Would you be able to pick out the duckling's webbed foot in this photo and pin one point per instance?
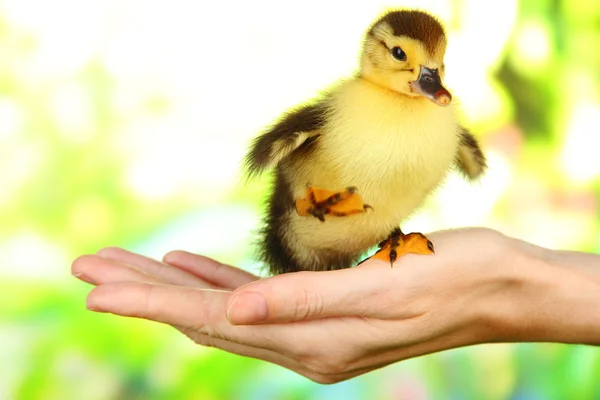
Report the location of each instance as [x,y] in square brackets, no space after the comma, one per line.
[398,244]
[322,202]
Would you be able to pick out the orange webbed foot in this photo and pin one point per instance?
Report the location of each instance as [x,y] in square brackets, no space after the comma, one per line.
[321,202]
[399,244]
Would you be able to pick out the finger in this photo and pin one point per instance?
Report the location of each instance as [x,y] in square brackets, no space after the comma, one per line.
[202,313]
[188,307]
[116,299]
[220,275]
[365,291]
[200,310]
[159,270]
[97,270]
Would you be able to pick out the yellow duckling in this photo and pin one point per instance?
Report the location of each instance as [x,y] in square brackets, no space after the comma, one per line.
[388,135]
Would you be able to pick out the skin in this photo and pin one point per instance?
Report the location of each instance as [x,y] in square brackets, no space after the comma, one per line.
[480,287]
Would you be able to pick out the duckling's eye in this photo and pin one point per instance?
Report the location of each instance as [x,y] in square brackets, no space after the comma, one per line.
[398,53]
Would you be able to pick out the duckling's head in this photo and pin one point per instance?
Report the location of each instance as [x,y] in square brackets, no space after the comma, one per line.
[404,51]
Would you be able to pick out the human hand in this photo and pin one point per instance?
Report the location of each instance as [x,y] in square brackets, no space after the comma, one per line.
[189,292]
[479,287]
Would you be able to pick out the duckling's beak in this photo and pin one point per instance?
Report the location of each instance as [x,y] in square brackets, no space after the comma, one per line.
[429,85]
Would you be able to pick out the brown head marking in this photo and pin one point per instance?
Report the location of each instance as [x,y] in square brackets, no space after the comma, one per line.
[416,25]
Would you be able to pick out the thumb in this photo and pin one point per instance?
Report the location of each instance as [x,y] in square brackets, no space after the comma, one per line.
[311,295]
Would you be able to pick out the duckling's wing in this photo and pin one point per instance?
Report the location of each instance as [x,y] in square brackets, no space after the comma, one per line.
[469,160]
[294,129]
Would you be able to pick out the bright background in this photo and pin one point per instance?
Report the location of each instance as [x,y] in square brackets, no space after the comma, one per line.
[123,123]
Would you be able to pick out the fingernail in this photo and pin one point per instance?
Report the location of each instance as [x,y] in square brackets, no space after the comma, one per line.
[104,250]
[91,307]
[247,308]
[83,277]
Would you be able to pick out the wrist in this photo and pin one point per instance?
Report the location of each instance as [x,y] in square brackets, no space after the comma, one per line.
[546,296]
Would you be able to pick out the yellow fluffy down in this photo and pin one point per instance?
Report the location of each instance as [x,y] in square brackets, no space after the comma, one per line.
[395,149]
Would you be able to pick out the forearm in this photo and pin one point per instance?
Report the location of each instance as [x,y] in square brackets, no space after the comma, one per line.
[555,297]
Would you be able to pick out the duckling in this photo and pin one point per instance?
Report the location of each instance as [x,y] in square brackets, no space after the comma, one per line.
[351,165]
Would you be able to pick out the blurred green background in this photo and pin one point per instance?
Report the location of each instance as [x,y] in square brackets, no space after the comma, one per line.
[123,123]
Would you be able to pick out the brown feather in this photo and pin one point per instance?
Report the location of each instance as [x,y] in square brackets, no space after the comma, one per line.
[284,137]
[470,160]
[415,25]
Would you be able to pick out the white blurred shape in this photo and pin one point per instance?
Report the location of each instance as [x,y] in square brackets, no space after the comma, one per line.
[11,120]
[484,29]
[28,254]
[468,204]
[167,155]
[475,41]
[459,203]
[16,346]
[580,151]
[532,46]
[68,32]
[70,104]
[216,231]
[441,8]
[18,164]
[86,377]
